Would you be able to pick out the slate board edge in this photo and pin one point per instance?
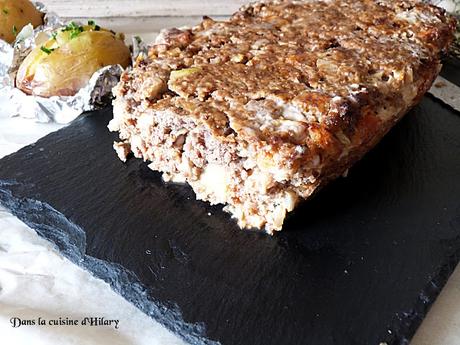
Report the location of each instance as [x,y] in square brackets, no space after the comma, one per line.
[410,322]
[70,239]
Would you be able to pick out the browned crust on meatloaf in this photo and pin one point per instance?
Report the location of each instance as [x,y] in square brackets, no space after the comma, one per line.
[290,93]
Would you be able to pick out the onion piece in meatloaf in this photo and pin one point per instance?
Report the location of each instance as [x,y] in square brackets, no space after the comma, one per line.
[260,111]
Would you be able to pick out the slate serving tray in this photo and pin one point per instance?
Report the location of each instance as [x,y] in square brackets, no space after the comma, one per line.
[359,264]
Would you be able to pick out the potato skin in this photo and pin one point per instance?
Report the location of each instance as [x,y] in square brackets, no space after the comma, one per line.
[14,15]
[65,64]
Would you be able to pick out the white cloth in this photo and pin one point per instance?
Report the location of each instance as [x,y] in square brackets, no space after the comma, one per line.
[36,281]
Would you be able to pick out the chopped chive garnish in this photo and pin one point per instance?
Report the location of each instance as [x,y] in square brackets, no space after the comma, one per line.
[94,25]
[46,50]
[74,29]
[5,11]
[15,30]
[138,39]
[74,34]
[71,26]
[54,35]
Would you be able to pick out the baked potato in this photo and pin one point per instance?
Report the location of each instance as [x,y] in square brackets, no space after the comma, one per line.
[14,15]
[65,63]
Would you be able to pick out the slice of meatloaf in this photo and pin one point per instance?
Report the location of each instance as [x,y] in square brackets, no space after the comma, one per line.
[259,111]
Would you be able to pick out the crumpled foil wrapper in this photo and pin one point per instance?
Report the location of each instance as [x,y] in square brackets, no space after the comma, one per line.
[96,94]
[140,49]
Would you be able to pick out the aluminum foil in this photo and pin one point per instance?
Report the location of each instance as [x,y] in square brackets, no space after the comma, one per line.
[140,49]
[96,94]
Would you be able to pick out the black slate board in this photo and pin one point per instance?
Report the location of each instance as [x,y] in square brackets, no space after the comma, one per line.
[359,264]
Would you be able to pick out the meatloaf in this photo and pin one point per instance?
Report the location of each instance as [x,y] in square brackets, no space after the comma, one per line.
[260,111]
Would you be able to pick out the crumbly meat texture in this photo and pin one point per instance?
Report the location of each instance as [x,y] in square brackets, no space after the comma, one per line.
[260,111]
